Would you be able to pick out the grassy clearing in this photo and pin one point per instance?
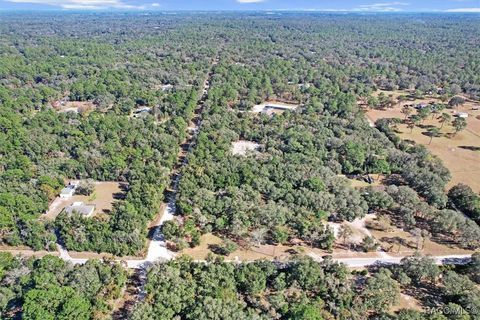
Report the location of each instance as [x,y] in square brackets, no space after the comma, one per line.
[269,252]
[398,242]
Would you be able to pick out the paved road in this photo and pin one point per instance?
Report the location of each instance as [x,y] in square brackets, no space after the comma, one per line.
[350,262]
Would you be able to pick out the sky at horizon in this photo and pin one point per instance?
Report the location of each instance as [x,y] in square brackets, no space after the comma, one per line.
[304,5]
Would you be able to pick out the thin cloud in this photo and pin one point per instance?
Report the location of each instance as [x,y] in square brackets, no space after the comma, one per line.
[469,10]
[82,4]
[249,1]
[382,6]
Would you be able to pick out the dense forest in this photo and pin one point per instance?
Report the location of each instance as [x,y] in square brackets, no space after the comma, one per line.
[307,290]
[72,85]
[115,63]
[49,288]
[295,183]
[42,148]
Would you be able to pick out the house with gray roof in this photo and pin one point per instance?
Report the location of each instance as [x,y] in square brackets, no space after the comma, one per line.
[85,210]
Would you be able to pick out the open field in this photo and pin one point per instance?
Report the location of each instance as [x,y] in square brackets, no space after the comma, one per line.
[105,194]
[270,252]
[350,247]
[94,255]
[394,243]
[460,153]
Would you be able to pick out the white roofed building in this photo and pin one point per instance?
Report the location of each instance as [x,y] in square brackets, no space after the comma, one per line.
[79,207]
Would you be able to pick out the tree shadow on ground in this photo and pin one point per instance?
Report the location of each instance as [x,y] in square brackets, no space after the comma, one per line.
[354,247]
[151,232]
[471,148]
[432,134]
[426,126]
[398,241]
[426,293]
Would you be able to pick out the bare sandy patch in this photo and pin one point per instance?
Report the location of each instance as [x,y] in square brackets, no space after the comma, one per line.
[163,86]
[273,107]
[407,302]
[358,228]
[243,147]
[73,106]
[346,254]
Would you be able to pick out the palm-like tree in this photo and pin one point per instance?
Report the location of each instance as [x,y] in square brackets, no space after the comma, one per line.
[417,233]
[435,111]
[433,132]
[459,124]
[425,235]
[406,111]
[415,121]
[424,113]
[444,118]
[258,236]
[411,126]
[345,233]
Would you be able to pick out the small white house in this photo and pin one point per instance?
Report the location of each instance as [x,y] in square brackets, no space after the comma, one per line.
[167,87]
[67,192]
[141,111]
[461,115]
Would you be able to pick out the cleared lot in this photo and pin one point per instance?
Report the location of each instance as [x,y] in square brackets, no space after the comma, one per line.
[73,106]
[273,107]
[105,194]
[242,147]
[398,243]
